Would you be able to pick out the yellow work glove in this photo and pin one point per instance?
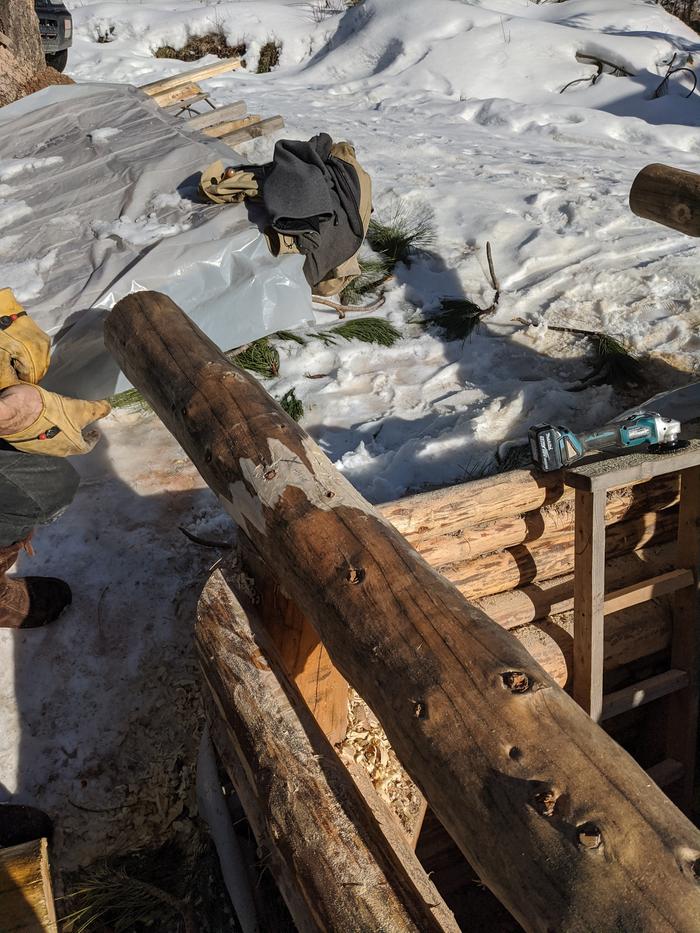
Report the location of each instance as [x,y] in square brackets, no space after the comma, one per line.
[24,347]
[224,185]
[59,431]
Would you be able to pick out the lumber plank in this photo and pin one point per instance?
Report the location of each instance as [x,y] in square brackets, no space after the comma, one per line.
[556,818]
[631,468]
[177,94]
[223,129]
[26,898]
[589,596]
[200,73]
[668,196]
[642,592]
[302,653]
[261,128]
[182,105]
[331,857]
[229,111]
[682,717]
[646,691]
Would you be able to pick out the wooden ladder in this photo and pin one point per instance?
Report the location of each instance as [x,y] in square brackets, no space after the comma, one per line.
[678,685]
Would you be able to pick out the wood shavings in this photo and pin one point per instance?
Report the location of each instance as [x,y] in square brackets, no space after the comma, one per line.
[366,745]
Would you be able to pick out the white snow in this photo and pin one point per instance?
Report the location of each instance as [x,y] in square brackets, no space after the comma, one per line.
[454,105]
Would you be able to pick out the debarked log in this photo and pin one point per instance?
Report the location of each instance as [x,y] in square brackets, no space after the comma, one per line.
[553,556]
[472,541]
[668,196]
[562,825]
[324,845]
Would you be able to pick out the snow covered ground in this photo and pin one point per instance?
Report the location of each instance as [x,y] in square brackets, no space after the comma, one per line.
[457,106]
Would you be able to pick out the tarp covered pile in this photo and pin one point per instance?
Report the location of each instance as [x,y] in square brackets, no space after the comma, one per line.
[95,182]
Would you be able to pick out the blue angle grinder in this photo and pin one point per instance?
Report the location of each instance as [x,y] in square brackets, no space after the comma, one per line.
[554,447]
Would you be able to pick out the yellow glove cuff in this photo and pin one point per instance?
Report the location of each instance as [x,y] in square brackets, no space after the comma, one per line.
[59,429]
[24,347]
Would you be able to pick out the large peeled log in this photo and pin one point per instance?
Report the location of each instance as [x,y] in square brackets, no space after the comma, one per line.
[562,825]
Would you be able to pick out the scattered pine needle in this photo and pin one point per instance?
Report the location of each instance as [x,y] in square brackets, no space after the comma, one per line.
[460,317]
[292,405]
[374,273]
[111,896]
[259,357]
[615,363]
[290,335]
[368,330]
[406,230]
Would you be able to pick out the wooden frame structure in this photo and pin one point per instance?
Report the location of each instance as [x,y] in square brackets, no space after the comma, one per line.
[679,683]
[563,826]
[180,94]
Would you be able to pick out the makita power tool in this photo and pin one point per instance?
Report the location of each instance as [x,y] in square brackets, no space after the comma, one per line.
[554,447]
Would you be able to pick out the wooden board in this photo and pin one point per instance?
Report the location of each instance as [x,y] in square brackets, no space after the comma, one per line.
[631,468]
[26,898]
[682,707]
[177,94]
[303,655]
[262,128]
[236,109]
[589,597]
[193,74]
[223,129]
[181,105]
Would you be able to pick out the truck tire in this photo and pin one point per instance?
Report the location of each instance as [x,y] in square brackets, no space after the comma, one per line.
[57,60]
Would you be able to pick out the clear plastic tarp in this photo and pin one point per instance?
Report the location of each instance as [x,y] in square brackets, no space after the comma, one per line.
[97,200]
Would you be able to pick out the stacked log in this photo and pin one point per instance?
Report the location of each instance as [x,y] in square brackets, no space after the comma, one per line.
[508,543]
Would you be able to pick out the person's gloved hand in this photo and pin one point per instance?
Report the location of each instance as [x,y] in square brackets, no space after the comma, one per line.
[40,422]
[24,347]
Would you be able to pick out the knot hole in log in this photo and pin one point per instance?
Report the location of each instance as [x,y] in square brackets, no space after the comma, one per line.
[589,836]
[517,681]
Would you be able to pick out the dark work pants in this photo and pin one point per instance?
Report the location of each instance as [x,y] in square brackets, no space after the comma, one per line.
[33,490]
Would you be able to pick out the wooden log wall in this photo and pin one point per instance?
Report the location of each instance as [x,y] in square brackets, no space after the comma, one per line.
[562,825]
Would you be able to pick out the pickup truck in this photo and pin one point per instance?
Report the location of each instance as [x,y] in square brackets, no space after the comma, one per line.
[56,28]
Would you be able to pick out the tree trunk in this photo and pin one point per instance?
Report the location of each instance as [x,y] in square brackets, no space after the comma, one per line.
[668,196]
[334,866]
[23,68]
[562,825]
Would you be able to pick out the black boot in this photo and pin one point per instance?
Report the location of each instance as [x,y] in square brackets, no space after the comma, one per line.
[20,823]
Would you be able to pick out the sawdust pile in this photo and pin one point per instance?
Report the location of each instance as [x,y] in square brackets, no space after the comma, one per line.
[366,745]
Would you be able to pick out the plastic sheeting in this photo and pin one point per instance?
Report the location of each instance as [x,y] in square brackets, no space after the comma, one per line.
[95,188]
